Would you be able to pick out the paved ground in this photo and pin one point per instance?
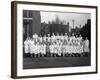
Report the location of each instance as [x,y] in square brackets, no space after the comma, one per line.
[50,62]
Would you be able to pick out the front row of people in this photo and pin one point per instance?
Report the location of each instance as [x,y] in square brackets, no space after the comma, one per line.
[58,47]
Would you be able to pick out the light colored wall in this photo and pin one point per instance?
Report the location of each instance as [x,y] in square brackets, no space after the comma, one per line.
[5,40]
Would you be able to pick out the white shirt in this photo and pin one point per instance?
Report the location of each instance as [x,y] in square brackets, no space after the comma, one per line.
[32,43]
[26,46]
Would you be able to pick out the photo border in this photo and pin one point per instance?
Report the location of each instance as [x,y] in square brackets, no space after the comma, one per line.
[14,37]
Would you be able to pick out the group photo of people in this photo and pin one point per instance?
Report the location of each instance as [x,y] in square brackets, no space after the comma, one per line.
[56,45]
[56,39]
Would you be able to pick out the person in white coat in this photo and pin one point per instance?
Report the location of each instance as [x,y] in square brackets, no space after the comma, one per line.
[53,38]
[51,47]
[32,45]
[26,47]
[86,45]
[44,49]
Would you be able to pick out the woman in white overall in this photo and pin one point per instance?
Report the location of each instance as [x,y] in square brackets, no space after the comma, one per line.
[86,45]
[32,47]
[26,47]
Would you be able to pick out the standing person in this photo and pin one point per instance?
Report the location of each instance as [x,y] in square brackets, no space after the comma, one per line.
[86,45]
[71,43]
[32,47]
[53,37]
[65,36]
[35,49]
[66,39]
[80,44]
[68,48]
[48,44]
[35,36]
[64,49]
[77,46]
[40,45]
[72,38]
[44,49]
[55,49]
[26,47]
[62,37]
[40,50]
[62,46]
[40,39]
[51,49]
[29,41]
[48,38]
[59,47]
[65,44]
[44,38]
[80,37]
